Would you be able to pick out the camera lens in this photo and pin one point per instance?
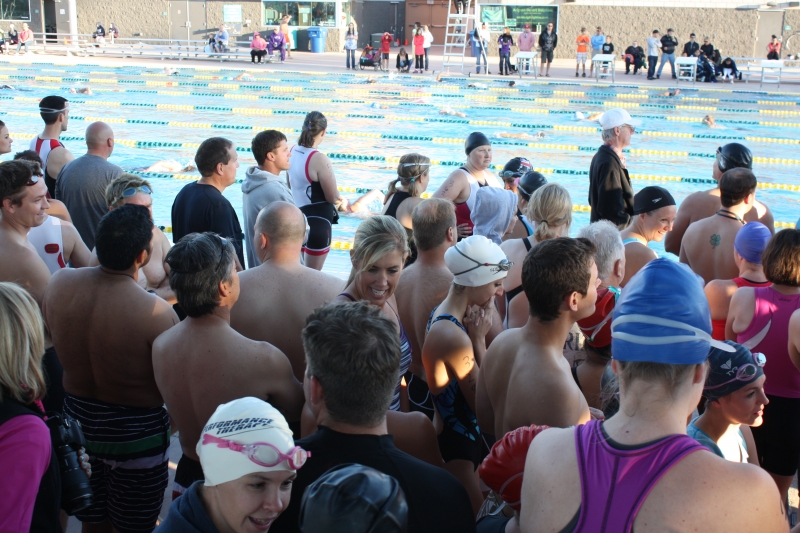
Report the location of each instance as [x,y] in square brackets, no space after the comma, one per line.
[76,491]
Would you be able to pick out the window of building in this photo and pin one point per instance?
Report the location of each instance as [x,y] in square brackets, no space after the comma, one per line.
[301,13]
[15,10]
[498,17]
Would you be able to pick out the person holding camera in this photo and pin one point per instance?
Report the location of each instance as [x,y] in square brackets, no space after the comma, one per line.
[30,494]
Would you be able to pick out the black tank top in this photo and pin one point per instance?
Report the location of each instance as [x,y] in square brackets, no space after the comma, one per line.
[510,295]
[397,199]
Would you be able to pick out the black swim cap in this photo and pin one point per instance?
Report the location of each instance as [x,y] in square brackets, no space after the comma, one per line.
[474,140]
[529,182]
[353,498]
[734,155]
[515,168]
[650,199]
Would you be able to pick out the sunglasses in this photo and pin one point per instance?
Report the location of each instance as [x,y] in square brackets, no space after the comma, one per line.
[503,266]
[34,180]
[262,453]
[745,372]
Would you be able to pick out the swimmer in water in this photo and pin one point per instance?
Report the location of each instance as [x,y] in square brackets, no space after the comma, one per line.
[593,117]
[362,204]
[478,85]
[244,76]
[527,136]
[376,105]
[439,77]
[671,92]
[447,110]
[512,83]
[170,71]
[709,121]
[81,90]
[169,166]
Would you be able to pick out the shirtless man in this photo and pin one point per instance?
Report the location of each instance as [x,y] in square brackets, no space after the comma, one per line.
[654,213]
[423,285]
[524,377]
[55,113]
[705,204]
[278,295]
[57,207]
[202,363]
[707,246]
[154,276]
[103,325]
[23,197]
[461,186]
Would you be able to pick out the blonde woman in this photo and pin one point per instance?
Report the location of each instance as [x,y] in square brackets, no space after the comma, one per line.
[28,462]
[550,209]
[405,193]
[380,249]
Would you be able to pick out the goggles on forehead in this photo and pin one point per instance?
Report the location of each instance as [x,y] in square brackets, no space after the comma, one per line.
[744,372]
[503,266]
[262,453]
[131,191]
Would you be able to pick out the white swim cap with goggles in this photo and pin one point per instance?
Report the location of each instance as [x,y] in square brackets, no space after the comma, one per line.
[476,261]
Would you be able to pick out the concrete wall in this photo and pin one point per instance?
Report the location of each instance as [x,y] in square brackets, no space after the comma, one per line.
[131,17]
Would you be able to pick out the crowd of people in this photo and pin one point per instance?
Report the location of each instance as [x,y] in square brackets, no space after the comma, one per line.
[479,370]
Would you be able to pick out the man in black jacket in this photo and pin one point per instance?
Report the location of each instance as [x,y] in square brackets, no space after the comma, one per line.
[636,54]
[668,44]
[610,191]
[691,48]
[548,40]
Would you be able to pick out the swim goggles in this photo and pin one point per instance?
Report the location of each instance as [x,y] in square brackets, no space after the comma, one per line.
[262,453]
[131,191]
[503,266]
[744,372]
[34,180]
[51,110]
[524,166]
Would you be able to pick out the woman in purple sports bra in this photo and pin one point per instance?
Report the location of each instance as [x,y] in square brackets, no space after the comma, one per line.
[758,318]
[639,471]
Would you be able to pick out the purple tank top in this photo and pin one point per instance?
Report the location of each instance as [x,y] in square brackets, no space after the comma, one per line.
[768,333]
[615,483]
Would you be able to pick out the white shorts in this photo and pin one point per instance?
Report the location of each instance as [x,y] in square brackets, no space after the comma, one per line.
[581,57]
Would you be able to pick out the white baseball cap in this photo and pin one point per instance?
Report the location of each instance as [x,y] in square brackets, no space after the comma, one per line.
[614,118]
[243,437]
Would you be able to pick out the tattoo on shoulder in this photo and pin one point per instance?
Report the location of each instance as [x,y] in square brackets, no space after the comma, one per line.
[715,240]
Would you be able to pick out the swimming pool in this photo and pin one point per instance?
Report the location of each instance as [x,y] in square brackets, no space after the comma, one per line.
[157,116]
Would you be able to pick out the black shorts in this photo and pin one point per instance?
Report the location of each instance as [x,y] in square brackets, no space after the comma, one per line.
[385,55]
[547,56]
[453,445]
[778,438]
[320,217]
[187,472]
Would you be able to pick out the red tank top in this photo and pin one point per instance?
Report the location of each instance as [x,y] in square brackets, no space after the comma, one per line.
[718,331]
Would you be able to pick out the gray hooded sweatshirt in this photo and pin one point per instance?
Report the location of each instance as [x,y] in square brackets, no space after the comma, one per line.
[260,189]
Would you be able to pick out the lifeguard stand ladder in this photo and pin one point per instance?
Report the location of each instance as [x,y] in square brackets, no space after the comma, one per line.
[456,37]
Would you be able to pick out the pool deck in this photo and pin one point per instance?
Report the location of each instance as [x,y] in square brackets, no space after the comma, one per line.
[562,70]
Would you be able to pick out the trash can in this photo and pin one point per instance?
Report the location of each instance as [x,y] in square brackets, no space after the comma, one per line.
[302,42]
[317,36]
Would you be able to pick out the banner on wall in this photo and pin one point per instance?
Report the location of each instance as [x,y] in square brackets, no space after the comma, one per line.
[515,17]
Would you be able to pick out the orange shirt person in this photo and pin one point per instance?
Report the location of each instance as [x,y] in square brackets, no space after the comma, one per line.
[583,47]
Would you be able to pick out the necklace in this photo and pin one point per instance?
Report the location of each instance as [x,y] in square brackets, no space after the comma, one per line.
[731,215]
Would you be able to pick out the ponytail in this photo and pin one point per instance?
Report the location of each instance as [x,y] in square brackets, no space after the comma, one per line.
[314,124]
[550,206]
[409,171]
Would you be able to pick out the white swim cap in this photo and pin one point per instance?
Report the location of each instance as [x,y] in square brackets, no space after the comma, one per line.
[476,261]
[245,436]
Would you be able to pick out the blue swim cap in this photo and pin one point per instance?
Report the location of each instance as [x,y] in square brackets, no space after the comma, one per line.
[751,241]
[663,317]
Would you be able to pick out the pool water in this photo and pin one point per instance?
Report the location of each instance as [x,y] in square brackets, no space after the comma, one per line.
[371,125]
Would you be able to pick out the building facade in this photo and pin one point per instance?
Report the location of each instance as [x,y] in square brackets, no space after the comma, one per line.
[737,28]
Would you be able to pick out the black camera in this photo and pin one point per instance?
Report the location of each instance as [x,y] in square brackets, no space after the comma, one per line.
[67,437]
